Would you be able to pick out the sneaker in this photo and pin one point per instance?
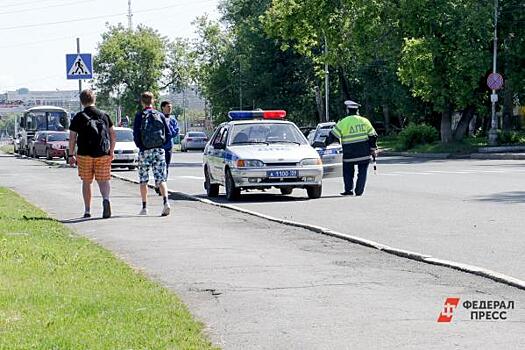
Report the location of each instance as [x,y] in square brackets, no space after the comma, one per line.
[143,211]
[166,209]
[86,215]
[106,211]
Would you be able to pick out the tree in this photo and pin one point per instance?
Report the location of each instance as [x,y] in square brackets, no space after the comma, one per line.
[442,58]
[240,67]
[129,63]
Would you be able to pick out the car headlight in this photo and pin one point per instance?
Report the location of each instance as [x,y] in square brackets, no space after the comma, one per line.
[311,161]
[250,163]
[55,146]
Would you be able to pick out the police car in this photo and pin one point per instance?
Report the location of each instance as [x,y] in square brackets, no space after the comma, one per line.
[260,150]
[332,155]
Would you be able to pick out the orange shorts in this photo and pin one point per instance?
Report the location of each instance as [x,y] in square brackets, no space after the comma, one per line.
[98,168]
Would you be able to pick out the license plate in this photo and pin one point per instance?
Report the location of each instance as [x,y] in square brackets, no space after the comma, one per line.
[282,173]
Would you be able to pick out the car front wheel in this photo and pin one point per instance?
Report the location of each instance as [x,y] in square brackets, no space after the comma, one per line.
[286,190]
[232,192]
[314,192]
[212,190]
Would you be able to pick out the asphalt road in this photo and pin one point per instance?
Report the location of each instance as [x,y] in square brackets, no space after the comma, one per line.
[261,285]
[468,211]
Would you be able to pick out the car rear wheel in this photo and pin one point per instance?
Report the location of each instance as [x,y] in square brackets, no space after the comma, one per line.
[232,192]
[314,192]
[286,190]
[212,190]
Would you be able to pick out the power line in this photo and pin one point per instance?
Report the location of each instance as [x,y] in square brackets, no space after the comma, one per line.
[45,7]
[97,17]
[40,42]
[18,3]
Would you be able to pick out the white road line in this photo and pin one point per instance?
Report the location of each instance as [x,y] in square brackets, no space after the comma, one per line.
[200,178]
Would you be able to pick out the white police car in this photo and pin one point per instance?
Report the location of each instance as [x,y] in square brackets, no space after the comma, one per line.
[331,155]
[260,150]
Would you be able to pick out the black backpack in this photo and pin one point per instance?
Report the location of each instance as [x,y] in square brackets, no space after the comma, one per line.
[97,135]
[152,129]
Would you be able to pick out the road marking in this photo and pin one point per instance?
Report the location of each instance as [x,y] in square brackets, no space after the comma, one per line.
[200,178]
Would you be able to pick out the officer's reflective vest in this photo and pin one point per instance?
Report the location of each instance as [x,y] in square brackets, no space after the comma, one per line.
[357,136]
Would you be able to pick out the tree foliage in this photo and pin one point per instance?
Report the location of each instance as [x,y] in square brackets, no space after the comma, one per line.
[129,63]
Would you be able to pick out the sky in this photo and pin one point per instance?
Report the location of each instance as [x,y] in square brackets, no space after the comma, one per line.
[33,45]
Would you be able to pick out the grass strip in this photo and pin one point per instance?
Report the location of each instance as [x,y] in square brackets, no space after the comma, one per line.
[61,291]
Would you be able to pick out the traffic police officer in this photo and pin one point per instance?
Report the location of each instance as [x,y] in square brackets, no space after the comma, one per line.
[359,141]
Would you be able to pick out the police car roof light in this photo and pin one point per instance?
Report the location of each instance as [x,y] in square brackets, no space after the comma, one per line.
[249,115]
[274,114]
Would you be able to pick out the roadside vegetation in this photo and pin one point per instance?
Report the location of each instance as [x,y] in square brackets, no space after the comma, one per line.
[431,70]
[60,291]
[7,149]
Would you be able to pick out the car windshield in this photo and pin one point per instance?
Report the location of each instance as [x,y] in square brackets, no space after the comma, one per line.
[124,135]
[40,120]
[59,136]
[196,134]
[266,133]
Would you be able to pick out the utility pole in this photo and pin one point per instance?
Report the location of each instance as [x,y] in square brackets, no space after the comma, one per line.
[326,81]
[240,86]
[493,132]
[130,17]
[79,80]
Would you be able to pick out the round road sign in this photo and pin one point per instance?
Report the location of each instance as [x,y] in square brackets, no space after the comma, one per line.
[495,81]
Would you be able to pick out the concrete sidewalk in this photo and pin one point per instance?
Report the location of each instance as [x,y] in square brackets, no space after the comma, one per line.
[261,285]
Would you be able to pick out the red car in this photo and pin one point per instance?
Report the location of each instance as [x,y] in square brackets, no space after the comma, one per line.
[49,144]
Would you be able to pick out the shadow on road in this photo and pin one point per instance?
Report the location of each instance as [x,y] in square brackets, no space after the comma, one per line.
[186,165]
[93,218]
[256,198]
[516,197]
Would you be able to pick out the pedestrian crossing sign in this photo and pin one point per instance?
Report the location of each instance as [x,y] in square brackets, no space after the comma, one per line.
[79,66]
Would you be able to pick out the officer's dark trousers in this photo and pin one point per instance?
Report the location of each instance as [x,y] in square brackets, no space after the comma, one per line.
[348,176]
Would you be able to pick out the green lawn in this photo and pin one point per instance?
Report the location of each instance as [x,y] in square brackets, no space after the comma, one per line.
[7,149]
[60,291]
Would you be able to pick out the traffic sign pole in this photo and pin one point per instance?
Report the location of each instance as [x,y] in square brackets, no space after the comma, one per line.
[79,80]
[493,132]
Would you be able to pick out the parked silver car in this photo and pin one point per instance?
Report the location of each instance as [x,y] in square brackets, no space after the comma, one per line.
[193,140]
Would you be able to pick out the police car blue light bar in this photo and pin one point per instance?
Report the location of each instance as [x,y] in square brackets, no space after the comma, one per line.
[249,115]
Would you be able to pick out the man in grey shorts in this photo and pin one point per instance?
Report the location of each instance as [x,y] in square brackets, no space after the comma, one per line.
[150,131]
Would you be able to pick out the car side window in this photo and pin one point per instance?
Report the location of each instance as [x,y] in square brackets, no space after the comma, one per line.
[216,140]
[224,137]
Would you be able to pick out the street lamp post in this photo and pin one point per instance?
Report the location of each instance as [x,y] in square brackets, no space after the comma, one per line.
[493,132]
[326,82]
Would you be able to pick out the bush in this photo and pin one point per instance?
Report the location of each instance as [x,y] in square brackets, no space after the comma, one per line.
[510,138]
[414,135]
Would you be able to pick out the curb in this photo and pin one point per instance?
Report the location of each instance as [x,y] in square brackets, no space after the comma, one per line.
[415,155]
[428,259]
[496,156]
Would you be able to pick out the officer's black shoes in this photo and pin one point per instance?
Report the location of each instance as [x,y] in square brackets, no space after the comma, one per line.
[349,193]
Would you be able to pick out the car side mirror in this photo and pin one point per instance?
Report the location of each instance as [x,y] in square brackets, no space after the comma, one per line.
[319,144]
[219,146]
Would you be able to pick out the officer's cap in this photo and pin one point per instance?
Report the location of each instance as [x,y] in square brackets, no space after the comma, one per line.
[351,104]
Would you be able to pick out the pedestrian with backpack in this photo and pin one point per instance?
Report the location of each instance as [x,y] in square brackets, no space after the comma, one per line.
[150,132]
[92,132]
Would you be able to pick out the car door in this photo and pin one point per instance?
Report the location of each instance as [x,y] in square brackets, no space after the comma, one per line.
[40,144]
[215,152]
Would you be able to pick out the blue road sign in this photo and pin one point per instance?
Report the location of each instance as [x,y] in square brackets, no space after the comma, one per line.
[79,66]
